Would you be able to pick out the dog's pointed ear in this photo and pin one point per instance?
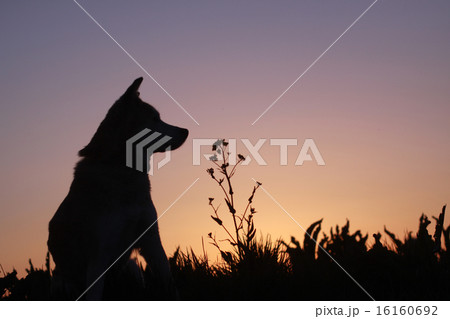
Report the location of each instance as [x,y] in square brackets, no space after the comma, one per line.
[134,87]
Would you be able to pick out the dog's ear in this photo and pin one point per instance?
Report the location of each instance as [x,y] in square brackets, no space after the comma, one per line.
[134,87]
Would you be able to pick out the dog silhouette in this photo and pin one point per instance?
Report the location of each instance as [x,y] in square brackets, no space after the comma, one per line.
[109,205]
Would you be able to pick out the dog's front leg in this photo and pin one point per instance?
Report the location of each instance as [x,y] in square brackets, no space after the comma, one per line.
[153,252]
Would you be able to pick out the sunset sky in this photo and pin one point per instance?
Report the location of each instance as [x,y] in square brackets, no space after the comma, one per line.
[377,105]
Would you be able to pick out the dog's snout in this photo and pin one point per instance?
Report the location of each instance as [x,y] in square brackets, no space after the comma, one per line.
[183,135]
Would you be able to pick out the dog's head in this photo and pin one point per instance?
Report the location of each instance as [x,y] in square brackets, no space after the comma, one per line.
[129,118]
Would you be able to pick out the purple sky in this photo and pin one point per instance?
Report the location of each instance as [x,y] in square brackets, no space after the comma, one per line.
[377,104]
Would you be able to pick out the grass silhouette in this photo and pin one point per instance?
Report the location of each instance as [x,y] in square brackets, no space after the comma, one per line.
[408,269]
[252,268]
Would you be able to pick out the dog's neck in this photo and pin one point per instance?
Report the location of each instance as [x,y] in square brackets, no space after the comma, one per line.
[113,170]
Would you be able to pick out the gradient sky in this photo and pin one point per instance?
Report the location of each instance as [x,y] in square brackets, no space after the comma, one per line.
[377,104]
